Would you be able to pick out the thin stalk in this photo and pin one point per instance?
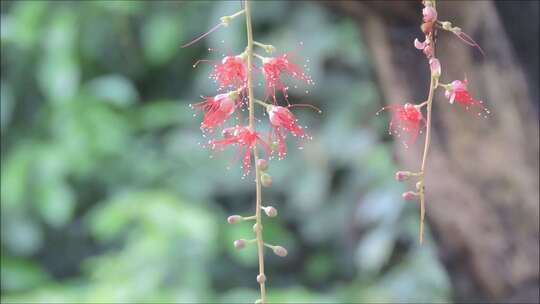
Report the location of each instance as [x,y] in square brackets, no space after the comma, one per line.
[258,56]
[429,101]
[262,45]
[424,159]
[258,231]
[262,103]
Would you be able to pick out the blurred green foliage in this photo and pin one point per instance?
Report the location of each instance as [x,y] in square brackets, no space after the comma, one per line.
[107,195]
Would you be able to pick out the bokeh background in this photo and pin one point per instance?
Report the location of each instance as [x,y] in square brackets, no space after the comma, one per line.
[108,196]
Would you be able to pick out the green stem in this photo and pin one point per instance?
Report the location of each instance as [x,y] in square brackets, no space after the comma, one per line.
[258,231]
[429,102]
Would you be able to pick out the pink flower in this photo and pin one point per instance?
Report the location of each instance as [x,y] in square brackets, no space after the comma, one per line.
[425,46]
[281,118]
[406,120]
[419,45]
[274,67]
[217,109]
[430,14]
[231,72]
[457,91]
[245,138]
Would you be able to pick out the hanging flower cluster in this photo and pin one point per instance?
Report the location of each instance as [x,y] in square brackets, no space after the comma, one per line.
[408,120]
[233,75]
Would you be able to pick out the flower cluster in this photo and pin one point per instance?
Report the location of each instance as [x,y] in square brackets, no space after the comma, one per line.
[407,120]
[233,75]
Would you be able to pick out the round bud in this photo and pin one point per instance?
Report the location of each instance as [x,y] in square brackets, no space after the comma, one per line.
[255,227]
[270,211]
[427,27]
[262,164]
[435,67]
[274,146]
[266,180]
[402,175]
[280,251]
[259,301]
[418,185]
[409,195]
[430,14]
[261,278]
[239,244]
[234,219]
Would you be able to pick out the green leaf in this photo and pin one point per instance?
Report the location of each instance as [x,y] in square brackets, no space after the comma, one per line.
[7,104]
[59,72]
[19,274]
[161,38]
[115,89]
[374,250]
[15,171]
[55,203]
[28,22]
[161,114]
[21,234]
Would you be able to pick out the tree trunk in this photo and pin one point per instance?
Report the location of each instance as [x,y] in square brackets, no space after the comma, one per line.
[482,174]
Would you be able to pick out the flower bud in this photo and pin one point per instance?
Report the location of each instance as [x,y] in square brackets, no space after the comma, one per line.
[239,244]
[427,27]
[435,67]
[270,211]
[259,301]
[234,219]
[429,13]
[402,175]
[256,227]
[269,48]
[409,195]
[262,164]
[418,185]
[225,20]
[419,45]
[261,278]
[428,51]
[266,180]
[280,251]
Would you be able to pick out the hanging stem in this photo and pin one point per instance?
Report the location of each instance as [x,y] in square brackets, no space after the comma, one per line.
[429,101]
[424,159]
[258,230]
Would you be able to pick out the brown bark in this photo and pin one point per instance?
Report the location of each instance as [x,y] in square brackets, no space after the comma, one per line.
[482,176]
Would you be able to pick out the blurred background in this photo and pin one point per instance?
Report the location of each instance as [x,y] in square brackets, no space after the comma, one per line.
[108,196]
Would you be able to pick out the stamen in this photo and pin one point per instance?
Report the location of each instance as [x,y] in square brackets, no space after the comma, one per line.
[201,36]
[468,40]
[199,61]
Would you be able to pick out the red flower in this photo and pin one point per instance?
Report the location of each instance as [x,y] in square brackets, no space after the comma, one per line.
[217,109]
[281,118]
[231,72]
[406,119]
[457,91]
[245,138]
[272,70]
